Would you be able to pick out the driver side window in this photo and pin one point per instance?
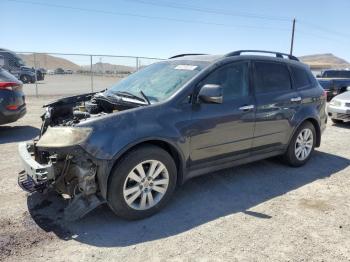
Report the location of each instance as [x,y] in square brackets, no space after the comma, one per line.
[233,78]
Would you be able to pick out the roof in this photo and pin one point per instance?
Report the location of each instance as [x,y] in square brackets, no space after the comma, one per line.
[214,58]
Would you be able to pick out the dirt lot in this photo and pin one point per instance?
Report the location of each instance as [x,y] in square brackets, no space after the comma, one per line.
[263,211]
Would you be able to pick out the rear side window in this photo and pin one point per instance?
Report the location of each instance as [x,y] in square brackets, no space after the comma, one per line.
[271,77]
[301,77]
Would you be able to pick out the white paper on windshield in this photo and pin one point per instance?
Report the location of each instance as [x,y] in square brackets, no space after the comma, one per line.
[186,67]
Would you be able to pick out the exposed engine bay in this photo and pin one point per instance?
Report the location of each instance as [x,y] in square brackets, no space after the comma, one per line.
[72,110]
[55,160]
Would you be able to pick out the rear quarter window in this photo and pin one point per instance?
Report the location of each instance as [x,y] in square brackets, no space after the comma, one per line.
[271,77]
[301,78]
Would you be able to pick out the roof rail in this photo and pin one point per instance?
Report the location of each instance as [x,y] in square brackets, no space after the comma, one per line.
[182,55]
[278,54]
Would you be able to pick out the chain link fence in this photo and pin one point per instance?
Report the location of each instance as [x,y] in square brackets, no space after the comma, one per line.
[58,74]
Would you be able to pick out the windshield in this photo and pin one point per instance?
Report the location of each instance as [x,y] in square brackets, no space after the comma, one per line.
[159,81]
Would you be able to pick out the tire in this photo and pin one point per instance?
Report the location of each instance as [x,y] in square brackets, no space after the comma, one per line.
[296,158]
[337,121]
[120,183]
[25,79]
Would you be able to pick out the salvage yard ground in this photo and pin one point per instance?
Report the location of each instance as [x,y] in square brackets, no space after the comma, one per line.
[263,211]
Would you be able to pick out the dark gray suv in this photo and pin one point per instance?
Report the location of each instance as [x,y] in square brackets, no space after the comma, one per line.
[132,144]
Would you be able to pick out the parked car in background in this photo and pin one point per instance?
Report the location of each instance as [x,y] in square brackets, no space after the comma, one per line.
[68,72]
[334,81]
[12,99]
[334,87]
[339,108]
[50,72]
[335,73]
[134,143]
[16,66]
[59,71]
[43,70]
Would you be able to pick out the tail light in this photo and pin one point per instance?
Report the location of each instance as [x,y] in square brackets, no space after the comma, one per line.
[12,86]
[324,94]
[12,107]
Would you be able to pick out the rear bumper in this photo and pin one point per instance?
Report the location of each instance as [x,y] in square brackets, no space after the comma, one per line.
[9,116]
[35,176]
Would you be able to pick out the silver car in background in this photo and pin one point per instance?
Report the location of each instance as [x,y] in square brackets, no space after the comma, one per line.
[339,108]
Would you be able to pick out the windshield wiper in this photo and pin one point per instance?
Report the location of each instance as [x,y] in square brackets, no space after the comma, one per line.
[145,97]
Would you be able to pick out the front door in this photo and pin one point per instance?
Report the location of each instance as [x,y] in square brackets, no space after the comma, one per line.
[224,131]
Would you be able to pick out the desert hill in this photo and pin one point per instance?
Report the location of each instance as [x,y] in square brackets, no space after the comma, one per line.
[324,61]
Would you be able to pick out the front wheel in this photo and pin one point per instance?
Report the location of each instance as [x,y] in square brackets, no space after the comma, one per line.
[301,145]
[142,182]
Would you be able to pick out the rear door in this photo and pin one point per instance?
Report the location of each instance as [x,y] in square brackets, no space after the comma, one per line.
[276,104]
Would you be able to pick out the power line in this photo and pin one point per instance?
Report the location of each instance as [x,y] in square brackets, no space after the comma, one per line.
[239,14]
[305,33]
[146,16]
[324,29]
[210,10]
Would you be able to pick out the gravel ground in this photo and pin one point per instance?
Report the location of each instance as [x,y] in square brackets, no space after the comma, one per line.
[263,211]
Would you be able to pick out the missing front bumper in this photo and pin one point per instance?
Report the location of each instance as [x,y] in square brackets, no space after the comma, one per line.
[35,176]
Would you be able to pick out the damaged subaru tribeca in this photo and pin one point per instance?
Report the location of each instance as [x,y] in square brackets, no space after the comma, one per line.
[131,145]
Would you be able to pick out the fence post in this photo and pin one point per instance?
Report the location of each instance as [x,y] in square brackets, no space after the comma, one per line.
[36,79]
[92,75]
[137,64]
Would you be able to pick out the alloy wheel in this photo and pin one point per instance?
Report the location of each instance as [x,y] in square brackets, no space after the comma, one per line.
[304,144]
[146,185]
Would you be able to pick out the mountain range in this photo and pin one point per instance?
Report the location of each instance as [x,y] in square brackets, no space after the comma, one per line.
[317,61]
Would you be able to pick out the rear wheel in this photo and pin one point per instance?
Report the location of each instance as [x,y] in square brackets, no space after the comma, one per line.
[301,145]
[142,182]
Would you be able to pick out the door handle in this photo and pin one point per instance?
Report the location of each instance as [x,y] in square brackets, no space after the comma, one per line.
[246,108]
[295,99]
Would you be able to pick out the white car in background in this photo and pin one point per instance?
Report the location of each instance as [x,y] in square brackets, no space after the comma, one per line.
[339,108]
[50,72]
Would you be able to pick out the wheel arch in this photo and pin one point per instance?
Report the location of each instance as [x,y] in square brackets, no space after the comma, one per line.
[173,151]
[316,125]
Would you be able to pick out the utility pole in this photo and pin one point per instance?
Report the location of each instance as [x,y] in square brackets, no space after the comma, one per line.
[292,40]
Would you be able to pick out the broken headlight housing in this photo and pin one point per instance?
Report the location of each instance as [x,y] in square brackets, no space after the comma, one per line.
[56,137]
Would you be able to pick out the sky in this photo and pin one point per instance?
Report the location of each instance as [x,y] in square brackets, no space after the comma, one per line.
[162,28]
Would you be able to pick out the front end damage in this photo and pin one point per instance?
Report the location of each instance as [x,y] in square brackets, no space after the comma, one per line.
[68,171]
[56,160]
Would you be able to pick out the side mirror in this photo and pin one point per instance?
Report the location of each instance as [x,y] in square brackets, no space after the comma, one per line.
[2,61]
[211,94]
